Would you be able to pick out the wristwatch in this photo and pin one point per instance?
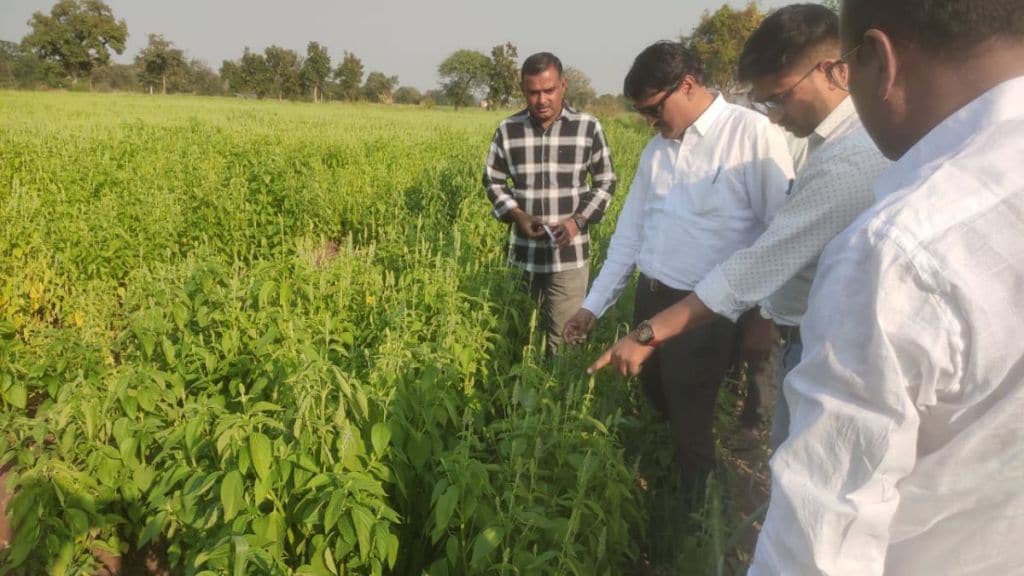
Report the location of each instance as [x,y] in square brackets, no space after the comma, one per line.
[644,334]
[580,221]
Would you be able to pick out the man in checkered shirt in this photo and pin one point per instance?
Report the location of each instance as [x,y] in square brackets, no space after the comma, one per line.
[536,177]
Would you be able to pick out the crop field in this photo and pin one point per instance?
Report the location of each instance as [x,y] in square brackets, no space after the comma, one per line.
[278,338]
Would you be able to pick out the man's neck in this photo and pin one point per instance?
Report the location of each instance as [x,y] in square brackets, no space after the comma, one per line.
[945,86]
[549,123]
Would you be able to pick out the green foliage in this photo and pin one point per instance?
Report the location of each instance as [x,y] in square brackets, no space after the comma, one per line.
[315,70]
[349,77]
[158,62]
[719,38]
[379,88]
[503,76]
[579,91]
[78,35]
[276,339]
[464,76]
[283,72]
[408,95]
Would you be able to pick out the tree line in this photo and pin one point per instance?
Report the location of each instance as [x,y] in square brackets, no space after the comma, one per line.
[71,47]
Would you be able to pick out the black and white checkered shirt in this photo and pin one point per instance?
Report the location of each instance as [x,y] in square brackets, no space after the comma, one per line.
[544,173]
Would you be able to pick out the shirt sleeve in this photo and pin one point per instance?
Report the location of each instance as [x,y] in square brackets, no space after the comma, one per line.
[770,173]
[827,195]
[880,341]
[602,176]
[496,177]
[624,246]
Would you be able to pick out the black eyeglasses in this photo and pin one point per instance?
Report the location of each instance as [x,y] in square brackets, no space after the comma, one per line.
[654,110]
[773,104]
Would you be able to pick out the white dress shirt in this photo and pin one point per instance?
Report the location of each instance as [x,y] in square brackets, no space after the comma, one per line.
[694,202]
[833,188]
[906,448]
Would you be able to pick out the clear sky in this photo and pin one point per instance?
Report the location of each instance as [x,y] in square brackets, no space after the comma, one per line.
[407,38]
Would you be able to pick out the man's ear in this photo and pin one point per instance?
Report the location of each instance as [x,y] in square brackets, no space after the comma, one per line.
[878,50]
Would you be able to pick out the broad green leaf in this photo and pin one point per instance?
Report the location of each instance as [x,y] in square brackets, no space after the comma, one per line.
[334,509]
[260,447]
[17,396]
[444,509]
[484,544]
[363,521]
[231,494]
[380,436]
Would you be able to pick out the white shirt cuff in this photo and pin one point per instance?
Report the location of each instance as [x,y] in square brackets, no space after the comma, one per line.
[714,291]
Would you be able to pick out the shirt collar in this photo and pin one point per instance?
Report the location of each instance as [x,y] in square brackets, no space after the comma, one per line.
[999,104]
[566,114]
[707,118]
[835,118]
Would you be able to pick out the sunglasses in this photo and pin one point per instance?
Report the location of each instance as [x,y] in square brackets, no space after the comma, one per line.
[654,110]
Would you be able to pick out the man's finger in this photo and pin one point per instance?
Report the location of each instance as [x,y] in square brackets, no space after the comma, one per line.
[601,362]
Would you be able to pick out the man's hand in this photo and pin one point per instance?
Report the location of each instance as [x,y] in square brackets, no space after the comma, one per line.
[627,355]
[758,338]
[529,226]
[564,232]
[577,328]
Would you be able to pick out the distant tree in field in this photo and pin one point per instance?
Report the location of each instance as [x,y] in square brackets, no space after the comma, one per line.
[719,39]
[408,95]
[200,79]
[464,76]
[315,70]
[349,76]
[609,104]
[283,68]
[158,62]
[579,91]
[503,76]
[833,4]
[379,88]
[78,35]
[250,75]
[115,78]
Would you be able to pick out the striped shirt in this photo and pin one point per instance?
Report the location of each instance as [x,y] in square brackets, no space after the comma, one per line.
[545,174]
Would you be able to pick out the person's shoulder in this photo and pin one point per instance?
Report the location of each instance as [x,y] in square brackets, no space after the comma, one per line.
[518,118]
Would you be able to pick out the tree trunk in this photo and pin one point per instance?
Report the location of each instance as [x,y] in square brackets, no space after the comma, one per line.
[163,84]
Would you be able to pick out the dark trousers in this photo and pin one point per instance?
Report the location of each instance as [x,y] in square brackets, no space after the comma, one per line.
[682,379]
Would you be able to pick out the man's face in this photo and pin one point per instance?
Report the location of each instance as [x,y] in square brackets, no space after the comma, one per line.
[793,99]
[544,93]
[669,110]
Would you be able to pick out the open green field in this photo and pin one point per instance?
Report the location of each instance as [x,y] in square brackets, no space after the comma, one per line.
[186,369]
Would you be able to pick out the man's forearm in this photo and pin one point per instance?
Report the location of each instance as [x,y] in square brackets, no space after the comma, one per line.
[687,314]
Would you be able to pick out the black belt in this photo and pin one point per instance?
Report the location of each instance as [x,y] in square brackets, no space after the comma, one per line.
[655,285]
[791,334]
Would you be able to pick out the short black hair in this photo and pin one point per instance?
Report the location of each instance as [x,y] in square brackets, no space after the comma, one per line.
[659,67]
[941,27]
[538,63]
[785,38]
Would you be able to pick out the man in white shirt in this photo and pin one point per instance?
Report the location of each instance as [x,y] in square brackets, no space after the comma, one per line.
[791,63]
[706,186]
[906,447]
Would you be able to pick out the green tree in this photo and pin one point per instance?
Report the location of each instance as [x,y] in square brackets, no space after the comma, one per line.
[408,95]
[158,62]
[78,35]
[200,79]
[719,38]
[464,75]
[250,75]
[349,76]
[503,76]
[379,88]
[283,71]
[315,70]
[833,4]
[579,91]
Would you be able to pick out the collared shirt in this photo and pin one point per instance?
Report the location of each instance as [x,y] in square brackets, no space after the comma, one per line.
[696,201]
[544,173]
[832,189]
[906,446]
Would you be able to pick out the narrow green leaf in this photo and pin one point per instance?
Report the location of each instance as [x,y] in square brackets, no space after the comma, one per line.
[484,544]
[363,521]
[380,436]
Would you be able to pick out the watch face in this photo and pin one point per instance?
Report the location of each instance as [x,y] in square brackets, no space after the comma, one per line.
[644,333]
